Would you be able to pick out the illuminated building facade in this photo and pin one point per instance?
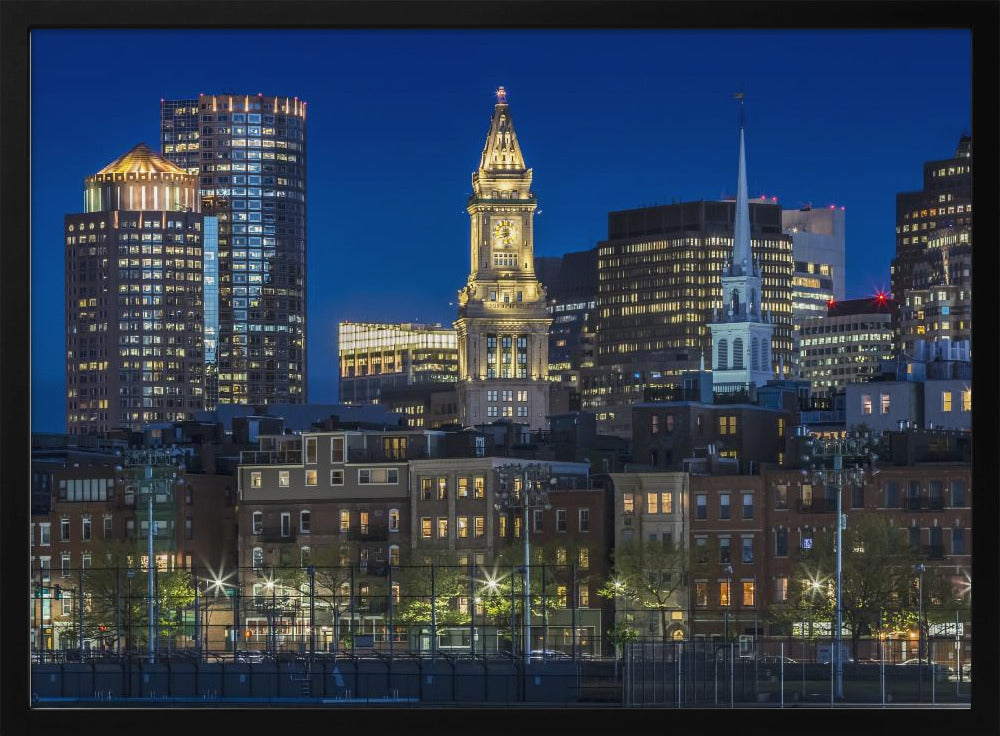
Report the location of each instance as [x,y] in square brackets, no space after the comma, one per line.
[846,346]
[377,357]
[248,152]
[818,248]
[931,225]
[938,305]
[503,323]
[134,310]
[571,286]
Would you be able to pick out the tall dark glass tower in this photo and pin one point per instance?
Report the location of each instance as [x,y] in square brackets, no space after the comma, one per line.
[249,154]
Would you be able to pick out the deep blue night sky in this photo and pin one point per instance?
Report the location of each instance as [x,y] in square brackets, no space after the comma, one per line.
[397,120]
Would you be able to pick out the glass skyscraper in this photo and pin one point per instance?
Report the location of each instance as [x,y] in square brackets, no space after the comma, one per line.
[248,152]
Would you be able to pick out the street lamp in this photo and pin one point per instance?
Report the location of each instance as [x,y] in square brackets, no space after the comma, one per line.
[825,458]
[920,569]
[150,472]
[728,571]
[523,487]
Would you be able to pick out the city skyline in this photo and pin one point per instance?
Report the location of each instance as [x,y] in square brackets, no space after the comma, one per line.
[590,155]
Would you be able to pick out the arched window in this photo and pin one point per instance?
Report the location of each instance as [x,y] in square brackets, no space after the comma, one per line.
[753,301]
[393,520]
[722,360]
[736,302]
[755,355]
[738,353]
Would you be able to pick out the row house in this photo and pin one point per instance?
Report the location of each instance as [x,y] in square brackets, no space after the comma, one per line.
[728,518]
[336,500]
[453,508]
[665,434]
[651,509]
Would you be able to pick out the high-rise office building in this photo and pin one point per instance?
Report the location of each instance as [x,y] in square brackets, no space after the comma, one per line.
[818,247]
[931,225]
[938,304]
[249,154]
[571,289]
[134,310]
[847,345]
[658,286]
[502,323]
[377,357]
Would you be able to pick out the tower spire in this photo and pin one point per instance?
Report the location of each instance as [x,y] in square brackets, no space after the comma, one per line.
[502,153]
[741,264]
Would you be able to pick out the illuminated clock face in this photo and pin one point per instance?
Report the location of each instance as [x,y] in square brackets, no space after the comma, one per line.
[504,232]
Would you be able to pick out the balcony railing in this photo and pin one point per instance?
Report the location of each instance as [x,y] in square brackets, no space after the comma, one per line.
[923,504]
[270,457]
[380,455]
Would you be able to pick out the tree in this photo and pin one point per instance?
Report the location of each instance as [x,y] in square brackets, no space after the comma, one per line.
[648,575]
[416,597]
[108,602]
[877,591]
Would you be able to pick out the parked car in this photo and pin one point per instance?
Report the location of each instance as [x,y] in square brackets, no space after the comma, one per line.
[253,656]
[775,659]
[548,654]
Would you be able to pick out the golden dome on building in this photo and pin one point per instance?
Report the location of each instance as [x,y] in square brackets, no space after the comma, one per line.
[141,160]
[141,180]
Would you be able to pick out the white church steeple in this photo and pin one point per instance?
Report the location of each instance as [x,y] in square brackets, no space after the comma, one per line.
[741,334]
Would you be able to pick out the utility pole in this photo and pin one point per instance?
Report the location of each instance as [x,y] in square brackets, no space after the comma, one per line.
[149,471]
[825,459]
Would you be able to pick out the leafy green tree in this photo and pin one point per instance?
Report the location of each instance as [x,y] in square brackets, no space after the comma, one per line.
[450,583]
[107,602]
[877,579]
[649,576]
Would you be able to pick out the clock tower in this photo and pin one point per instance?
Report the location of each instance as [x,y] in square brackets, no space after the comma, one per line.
[503,323]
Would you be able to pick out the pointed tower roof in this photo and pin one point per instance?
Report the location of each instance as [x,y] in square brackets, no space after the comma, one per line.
[141,160]
[502,153]
[742,263]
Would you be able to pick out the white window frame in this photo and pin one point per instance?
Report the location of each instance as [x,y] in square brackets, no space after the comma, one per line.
[305,515]
[256,522]
[315,477]
[45,534]
[394,520]
[583,520]
[284,478]
[315,451]
[561,520]
[343,448]
[337,477]
[286,524]
[256,479]
[86,529]
[64,526]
